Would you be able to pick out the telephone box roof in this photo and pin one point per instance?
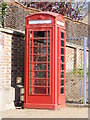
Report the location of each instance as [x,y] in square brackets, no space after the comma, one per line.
[47,13]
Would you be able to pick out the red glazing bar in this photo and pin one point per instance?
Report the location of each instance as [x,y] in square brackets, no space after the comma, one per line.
[26,66]
[32,65]
[62,39]
[38,86]
[47,63]
[39,62]
[39,38]
[61,54]
[62,78]
[60,60]
[62,46]
[40,54]
[29,59]
[64,59]
[40,70]
[40,78]
[50,44]
[43,46]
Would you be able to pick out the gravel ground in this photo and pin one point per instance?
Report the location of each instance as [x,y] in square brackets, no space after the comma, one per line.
[67,112]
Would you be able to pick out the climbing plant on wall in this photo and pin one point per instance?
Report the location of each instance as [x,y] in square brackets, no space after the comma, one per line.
[3,7]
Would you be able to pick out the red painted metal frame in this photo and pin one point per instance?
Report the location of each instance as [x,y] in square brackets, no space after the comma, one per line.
[62,96]
[54,99]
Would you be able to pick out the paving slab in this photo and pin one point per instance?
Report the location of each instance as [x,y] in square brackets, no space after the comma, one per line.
[67,112]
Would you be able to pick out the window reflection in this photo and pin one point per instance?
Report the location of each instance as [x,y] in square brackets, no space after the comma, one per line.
[62,35]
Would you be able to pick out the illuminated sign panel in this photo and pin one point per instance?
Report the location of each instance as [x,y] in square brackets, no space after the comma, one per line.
[40,22]
[60,23]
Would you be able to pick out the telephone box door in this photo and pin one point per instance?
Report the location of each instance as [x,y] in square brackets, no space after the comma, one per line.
[61,88]
[40,84]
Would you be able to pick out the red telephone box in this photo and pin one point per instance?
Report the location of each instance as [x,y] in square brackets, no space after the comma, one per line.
[45,42]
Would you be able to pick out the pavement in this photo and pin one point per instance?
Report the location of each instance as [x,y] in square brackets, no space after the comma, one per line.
[67,112]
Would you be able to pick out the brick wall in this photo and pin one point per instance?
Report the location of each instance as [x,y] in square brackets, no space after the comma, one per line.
[70,58]
[75,29]
[17,56]
[11,64]
[6,92]
[5,56]
[12,57]
[73,57]
[15,15]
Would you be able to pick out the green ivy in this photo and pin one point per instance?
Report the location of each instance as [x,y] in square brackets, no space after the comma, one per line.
[3,7]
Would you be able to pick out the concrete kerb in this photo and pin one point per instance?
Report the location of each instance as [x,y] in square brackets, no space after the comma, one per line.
[77,105]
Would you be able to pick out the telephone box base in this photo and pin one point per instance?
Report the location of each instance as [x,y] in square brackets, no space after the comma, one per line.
[40,106]
[43,106]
